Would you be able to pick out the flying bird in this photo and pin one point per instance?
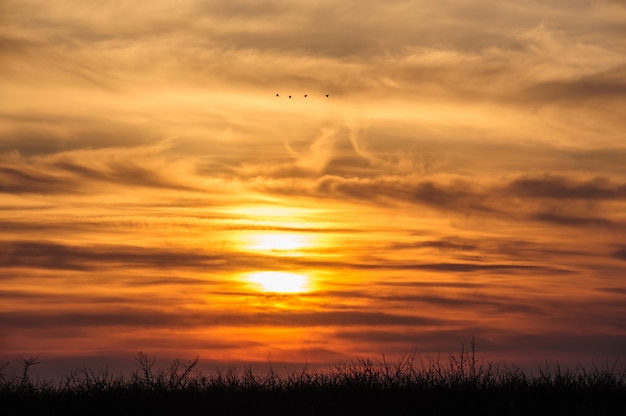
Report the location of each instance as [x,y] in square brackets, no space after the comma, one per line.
[305,95]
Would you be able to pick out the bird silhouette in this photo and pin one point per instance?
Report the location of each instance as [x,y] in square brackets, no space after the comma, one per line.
[305,95]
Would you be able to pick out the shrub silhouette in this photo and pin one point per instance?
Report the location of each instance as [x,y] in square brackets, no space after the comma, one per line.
[462,384]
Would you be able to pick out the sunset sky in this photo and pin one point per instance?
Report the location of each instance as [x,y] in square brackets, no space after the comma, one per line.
[465,177]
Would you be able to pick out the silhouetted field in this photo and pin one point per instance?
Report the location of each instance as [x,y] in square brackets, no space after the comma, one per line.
[411,386]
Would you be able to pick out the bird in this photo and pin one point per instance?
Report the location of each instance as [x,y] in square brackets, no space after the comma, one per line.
[305,95]
[290,96]
[277,94]
[326,95]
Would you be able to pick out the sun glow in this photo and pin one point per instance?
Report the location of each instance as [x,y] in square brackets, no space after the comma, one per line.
[278,242]
[280,282]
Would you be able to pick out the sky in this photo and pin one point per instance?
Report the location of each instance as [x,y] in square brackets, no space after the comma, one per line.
[166,186]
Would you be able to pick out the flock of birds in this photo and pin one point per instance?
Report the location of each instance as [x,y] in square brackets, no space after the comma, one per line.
[305,95]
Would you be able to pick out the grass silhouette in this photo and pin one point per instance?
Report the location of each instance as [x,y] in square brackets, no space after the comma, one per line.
[462,385]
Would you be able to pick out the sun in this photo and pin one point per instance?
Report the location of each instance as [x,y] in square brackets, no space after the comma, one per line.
[279,241]
[280,282]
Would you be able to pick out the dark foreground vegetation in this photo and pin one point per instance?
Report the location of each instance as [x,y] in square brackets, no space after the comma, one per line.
[462,385]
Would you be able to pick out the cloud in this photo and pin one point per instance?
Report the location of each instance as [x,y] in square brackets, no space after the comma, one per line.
[560,187]
[492,128]
[452,244]
[572,221]
[45,298]
[16,180]
[149,317]
[55,256]
[485,303]
[535,196]
[347,46]
[600,345]
[609,86]
[387,263]
[313,162]
[620,254]
[75,172]
[533,348]
[613,290]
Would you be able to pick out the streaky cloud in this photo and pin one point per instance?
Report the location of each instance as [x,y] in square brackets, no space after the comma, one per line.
[620,254]
[151,317]
[488,199]
[57,256]
[560,187]
[575,221]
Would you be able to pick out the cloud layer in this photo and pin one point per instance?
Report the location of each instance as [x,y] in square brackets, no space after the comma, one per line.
[464,177]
